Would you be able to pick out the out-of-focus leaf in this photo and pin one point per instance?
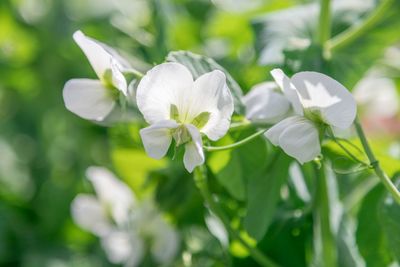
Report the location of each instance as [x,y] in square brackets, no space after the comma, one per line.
[133,165]
[226,166]
[199,65]
[263,195]
[390,216]
[349,62]
[294,29]
[370,235]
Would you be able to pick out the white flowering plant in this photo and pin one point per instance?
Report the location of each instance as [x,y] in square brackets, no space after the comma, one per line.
[251,165]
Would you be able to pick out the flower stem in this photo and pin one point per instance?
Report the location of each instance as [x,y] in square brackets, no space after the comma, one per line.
[200,177]
[322,225]
[358,30]
[375,163]
[351,155]
[237,144]
[324,32]
[136,73]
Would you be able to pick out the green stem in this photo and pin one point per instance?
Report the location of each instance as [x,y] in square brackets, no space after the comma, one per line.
[375,163]
[322,220]
[356,31]
[200,177]
[137,73]
[237,144]
[351,155]
[324,22]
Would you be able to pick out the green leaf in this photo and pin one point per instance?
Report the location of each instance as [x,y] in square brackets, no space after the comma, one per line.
[390,214]
[198,65]
[352,60]
[263,195]
[370,235]
[226,167]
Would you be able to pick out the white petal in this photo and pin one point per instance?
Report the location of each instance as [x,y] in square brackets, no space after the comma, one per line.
[337,105]
[210,93]
[118,79]
[112,192]
[194,154]
[98,57]
[89,214]
[166,242]
[217,229]
[123,247]
[301,141]
[275,131]
[157,138]
[88,99]
[288,89]
[265,105]
[103,58]
[163,85]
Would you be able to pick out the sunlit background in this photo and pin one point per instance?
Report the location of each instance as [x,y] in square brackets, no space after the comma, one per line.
[45,149]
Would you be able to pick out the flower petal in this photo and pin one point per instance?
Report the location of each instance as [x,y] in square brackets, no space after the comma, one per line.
[301,141]
[288,89]
[337,105]
[210,93]
[118,79]
[123,247]
[157,138]
[112,192]
[162,86]
[194,154]
[88,99]
[275,131]
[265,105]
[98,57]
[103,58]
[89,214]
[166,241]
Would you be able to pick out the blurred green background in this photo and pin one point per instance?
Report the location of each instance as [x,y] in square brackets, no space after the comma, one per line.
[45,150]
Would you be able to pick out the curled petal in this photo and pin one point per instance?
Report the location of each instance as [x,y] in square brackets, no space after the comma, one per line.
[274,132]
[112,192]
[157,138]
[103,59]
[164,85]
[194,154]
[318,91]
[298,137]
[288,89]
[265,105]
[211,94]
[88,99]
[89,214]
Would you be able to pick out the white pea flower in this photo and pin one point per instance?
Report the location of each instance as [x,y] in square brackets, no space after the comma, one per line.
[264,104]
[318,101]
[125,226]
[179,108]
[95,99]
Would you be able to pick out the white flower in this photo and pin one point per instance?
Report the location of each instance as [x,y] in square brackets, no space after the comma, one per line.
[318,101]
[265,105]
[95,99]
[179,108]
[123,224]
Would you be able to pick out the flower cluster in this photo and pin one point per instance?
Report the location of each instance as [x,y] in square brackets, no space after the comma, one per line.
[183,110]
[125,226]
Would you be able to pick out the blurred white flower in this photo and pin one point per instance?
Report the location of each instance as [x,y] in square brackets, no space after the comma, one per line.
[95,99]
[264,104]
[179,108]
[318,101]
[378,96]
[126,227]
